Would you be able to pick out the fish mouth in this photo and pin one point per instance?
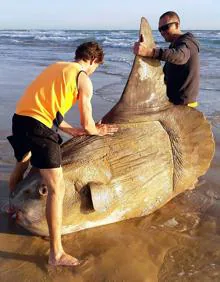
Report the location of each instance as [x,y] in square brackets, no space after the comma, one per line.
[22,219]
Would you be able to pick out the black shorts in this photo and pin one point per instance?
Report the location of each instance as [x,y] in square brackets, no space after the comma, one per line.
[30,135]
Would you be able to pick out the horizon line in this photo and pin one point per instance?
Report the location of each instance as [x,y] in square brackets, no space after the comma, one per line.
[89,29]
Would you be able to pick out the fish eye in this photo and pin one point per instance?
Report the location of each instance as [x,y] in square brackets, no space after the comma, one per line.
[27,192]
[43,190]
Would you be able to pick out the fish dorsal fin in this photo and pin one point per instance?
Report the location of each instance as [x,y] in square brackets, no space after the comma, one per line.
[145,91]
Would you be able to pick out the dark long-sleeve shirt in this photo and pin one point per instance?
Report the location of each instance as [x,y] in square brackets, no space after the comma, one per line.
[181,70]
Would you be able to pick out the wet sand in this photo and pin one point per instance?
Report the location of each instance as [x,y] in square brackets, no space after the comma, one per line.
[179,242]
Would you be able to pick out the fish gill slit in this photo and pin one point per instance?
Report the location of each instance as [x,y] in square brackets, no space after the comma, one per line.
[86,205]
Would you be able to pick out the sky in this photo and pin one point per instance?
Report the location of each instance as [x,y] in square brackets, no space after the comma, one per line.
[105,14]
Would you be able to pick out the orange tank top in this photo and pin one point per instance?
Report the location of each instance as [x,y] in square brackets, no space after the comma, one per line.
[51,94]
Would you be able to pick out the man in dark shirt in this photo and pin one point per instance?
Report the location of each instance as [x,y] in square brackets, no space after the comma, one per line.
[181,69]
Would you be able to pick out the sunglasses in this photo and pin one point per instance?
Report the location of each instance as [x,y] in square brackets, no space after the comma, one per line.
[166,26]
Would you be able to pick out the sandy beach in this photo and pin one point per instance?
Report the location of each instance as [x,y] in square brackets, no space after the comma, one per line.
[179,242]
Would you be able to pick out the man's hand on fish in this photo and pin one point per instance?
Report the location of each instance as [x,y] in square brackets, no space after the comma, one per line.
[142,49]
[106,129]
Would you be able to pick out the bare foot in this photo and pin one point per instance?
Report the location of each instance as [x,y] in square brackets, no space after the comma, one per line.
[64,260]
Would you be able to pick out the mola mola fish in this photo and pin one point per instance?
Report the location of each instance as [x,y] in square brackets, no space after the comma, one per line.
[159,151]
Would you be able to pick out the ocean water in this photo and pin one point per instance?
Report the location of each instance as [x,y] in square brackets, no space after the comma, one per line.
[24,53]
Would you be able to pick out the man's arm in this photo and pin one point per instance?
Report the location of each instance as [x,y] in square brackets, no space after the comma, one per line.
[85,107]
[178,56]
[74,131]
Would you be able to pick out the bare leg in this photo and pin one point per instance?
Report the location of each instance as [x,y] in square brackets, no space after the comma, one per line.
[18,172]
[54,209]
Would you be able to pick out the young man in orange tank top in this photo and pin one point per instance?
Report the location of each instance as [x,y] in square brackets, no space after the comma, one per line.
[31,124]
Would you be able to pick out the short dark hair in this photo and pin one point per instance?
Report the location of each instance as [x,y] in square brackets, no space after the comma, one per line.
[170,14]
[89,51]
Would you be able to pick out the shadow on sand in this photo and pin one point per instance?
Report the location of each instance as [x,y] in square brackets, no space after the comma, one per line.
[41,263]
